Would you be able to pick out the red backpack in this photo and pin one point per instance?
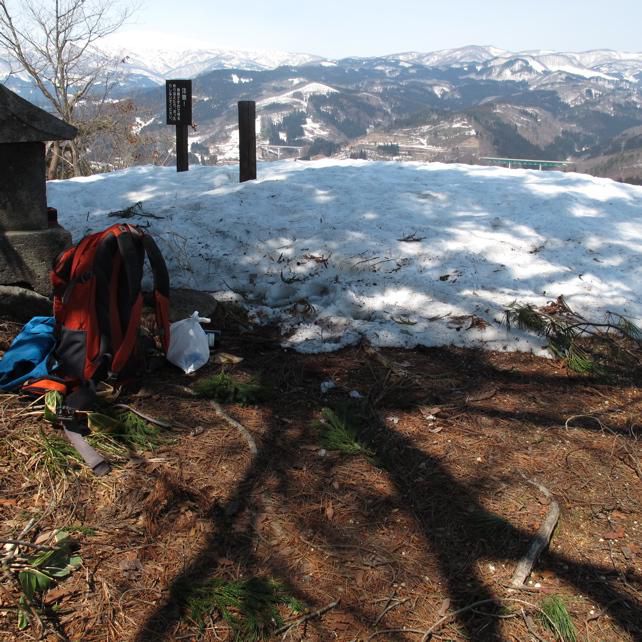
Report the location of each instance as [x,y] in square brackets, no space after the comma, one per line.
[97,309]
[97,304]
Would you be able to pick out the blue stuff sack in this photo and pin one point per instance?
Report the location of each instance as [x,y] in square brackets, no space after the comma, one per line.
[28,355]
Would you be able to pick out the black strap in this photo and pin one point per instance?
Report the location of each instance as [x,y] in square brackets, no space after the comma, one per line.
[98,464]
[81,278]
[82,398]
[131,253]
[158,265]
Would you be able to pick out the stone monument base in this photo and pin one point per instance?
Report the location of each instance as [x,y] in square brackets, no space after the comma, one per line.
[26,257]
[20,304]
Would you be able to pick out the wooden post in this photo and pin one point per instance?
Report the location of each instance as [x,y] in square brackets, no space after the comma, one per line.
[178,104]
[247,140]
[182,159]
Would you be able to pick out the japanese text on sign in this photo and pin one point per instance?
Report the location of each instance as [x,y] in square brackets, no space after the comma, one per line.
[178,95]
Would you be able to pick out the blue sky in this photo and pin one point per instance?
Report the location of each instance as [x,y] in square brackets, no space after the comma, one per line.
[336,28]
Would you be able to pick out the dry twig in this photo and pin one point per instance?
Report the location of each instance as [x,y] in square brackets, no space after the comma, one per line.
[451,615]
[471,607]
[151,420]
[528,621]
[384,631]
[240,427]
[635,461]
[285,629]
[540,541]
[392,603]
[21,542]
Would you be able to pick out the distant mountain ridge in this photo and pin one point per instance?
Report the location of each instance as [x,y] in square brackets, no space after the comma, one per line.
[148,64]
[593,63]
[160,64]
[157,63]
[450,105]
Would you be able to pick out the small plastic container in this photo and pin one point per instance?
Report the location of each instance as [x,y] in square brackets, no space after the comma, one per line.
[213,338]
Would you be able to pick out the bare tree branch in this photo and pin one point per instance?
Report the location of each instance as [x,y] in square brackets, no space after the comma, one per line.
[55,43]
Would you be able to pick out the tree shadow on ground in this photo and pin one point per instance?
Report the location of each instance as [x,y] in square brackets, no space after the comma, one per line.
[455,526]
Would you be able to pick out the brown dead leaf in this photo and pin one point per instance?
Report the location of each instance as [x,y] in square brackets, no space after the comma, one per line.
[130,566]
[226,358]
[329,511]
[443,609]
[627,552]
[478,323]
[44,537]
[616,533]
[429,412]
[57,593]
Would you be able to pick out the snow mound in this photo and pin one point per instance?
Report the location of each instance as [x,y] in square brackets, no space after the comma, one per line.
[400,254]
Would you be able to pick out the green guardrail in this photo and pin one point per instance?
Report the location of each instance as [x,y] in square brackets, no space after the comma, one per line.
[526,162]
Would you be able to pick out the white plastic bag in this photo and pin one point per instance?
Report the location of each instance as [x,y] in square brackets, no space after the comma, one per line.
[188,345]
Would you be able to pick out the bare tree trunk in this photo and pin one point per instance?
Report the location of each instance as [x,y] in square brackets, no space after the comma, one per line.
[54,161]
[75,161]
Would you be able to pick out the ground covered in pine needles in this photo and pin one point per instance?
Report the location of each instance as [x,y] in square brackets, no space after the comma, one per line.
[394,506]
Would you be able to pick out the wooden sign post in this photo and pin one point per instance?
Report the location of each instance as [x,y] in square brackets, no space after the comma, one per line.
[247,140]
[178,101]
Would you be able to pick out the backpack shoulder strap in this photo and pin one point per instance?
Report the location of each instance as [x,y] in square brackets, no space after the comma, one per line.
[161,288]
[127,303]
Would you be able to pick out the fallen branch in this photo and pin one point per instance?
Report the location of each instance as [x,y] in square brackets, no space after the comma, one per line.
[411,238]
[133,210]
[451,615]
[11,547]
[530,625]
[636,464]
[20,542]
[310,616]
[541,611]
[240,427]
[572,417]
[474,605]
[384,631]
[34,404]
[540,541]
[151,420]
[392,603]
[637,469]
[183,390]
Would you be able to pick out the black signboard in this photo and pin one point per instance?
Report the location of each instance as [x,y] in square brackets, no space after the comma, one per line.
[178,99]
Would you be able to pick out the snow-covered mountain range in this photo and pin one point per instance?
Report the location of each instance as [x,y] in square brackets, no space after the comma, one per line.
[158,64]
[450,105]
[149,60]
[152,59]
[494,63]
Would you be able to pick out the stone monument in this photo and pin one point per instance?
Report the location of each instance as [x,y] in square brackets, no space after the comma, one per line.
[29,243]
